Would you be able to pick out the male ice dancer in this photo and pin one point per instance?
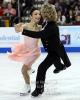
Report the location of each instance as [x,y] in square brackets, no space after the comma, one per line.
[52,44]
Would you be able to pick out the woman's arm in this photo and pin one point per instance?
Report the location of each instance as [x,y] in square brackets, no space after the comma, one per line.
[19,27]
[33,34]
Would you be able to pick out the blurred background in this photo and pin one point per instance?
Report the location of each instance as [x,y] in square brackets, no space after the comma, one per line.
[14,11]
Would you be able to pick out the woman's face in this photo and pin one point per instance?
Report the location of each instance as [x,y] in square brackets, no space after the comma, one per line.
[36,16]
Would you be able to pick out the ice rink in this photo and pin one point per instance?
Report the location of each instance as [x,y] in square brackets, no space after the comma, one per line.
[62,86]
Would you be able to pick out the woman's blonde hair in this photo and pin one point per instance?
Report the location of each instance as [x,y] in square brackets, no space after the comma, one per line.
[48,12]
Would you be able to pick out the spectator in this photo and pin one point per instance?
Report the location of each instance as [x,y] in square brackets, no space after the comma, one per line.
[76,10]
[70,17]
[10,12]
[77,20]
[61,18]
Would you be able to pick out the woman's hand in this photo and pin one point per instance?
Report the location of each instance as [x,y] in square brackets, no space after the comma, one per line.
[19,27]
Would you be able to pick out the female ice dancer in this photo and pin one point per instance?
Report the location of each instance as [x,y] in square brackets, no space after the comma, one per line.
[52,44]
[29,51]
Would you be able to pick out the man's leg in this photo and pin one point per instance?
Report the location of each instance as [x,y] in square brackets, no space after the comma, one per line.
[40,79]
[62,53]
[59,66]
[57,63]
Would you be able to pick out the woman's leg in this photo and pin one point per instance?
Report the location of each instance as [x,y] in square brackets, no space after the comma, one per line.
[25,74]
[26,77]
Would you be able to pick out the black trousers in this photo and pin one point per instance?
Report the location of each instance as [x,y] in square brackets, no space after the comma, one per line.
[52,58]
[41,72]
[62,53]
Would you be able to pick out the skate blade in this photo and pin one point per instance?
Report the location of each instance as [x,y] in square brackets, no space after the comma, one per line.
[24,94]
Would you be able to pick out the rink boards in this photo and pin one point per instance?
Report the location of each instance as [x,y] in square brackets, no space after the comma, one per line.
[69,35]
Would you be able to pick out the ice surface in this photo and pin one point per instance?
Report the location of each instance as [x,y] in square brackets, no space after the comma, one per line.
[62,86]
